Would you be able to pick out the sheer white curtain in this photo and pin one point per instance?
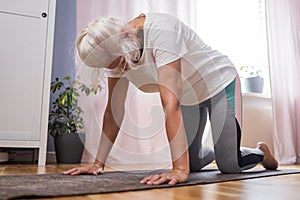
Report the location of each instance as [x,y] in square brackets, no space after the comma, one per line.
[283,25]
[137,141]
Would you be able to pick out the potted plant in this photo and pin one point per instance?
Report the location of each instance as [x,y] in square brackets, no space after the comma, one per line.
[66,124]
[252,78]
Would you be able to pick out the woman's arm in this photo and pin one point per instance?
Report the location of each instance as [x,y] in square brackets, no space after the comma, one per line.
[170,86]
[113,117]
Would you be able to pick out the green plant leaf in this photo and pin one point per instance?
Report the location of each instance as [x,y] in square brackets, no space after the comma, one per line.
[67,78]
[66,114]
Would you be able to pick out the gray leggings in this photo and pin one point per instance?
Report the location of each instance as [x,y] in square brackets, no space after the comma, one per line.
[226,135]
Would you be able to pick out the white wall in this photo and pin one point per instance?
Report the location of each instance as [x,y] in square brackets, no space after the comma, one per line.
[64,43]
[257,120]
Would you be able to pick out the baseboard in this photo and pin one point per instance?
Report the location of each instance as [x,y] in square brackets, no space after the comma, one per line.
[20,156]
[3,156]
[51,157]
[26,156]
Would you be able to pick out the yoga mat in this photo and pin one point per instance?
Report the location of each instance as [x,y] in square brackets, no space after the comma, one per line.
[54,185]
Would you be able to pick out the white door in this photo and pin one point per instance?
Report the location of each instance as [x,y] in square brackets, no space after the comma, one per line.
[22,62]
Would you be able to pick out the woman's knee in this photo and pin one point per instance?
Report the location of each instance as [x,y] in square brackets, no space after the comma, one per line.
[229,167]
[201,159]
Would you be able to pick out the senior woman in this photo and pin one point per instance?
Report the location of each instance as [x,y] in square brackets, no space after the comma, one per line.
[159,53]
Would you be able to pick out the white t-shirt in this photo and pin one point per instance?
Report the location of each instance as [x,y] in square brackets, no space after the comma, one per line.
[205,72]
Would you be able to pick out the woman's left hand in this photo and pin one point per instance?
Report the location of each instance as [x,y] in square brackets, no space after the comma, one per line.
[172,178]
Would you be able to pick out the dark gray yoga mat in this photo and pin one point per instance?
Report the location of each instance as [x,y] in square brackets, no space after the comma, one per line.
[54,185]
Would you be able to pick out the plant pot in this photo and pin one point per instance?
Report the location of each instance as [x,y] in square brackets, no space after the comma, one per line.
[69,148]
[254,84]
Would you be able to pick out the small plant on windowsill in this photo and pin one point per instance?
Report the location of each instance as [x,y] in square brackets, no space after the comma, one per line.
[252,78]
[66,124]
[250,71]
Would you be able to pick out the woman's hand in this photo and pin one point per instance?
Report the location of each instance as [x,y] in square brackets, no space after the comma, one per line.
[91,169]
[172,178]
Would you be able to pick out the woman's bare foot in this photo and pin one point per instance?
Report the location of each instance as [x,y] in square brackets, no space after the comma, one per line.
[269,162]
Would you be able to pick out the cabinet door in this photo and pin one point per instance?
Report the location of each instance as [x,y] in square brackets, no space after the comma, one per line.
[33,8]
[22,57]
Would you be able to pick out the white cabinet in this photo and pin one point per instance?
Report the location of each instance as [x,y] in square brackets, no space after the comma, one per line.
[32,8]
[26,43]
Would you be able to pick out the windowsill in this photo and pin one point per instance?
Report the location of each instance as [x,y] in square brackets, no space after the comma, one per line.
[256,95]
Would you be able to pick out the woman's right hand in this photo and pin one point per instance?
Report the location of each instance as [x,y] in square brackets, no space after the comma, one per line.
[91,169]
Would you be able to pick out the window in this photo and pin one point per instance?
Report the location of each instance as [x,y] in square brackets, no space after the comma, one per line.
[238,29]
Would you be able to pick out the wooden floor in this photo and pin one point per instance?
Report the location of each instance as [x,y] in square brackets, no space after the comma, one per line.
[284,187]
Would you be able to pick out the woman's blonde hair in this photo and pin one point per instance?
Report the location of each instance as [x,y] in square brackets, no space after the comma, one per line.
[106,39]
